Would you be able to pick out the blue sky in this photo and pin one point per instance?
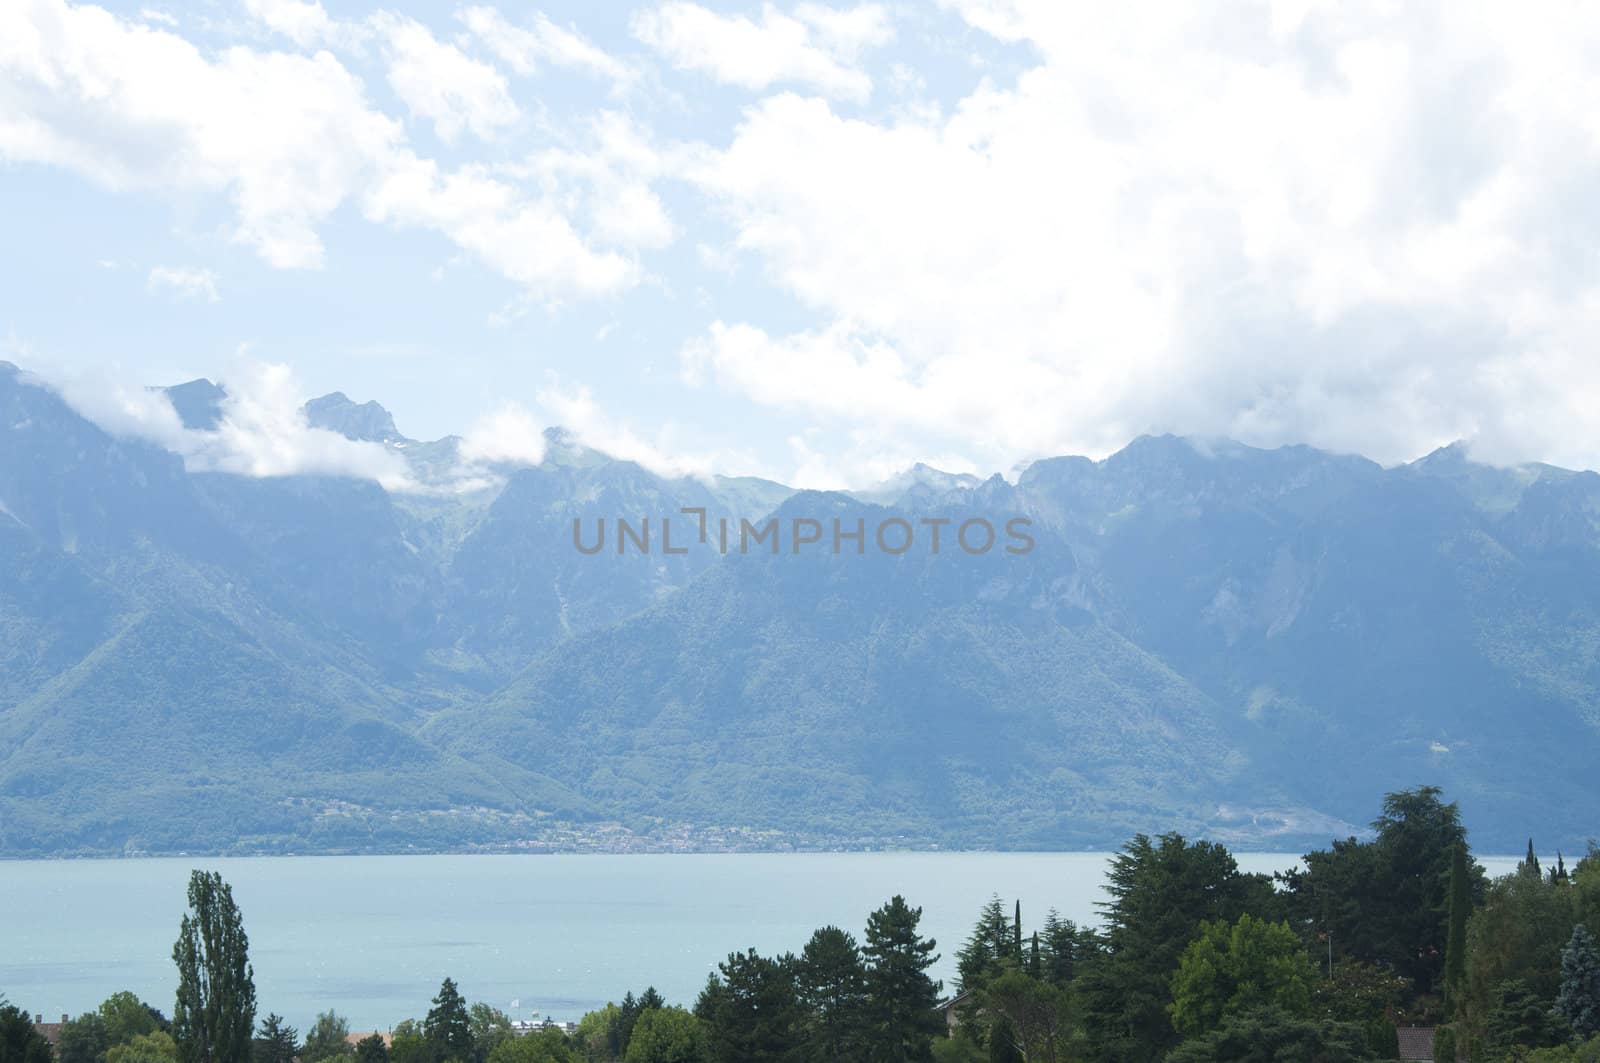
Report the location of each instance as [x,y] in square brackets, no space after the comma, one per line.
[813,241]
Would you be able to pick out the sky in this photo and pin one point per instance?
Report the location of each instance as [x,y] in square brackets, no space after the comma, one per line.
[814,242]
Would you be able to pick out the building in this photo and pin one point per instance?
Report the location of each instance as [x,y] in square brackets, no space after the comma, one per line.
[1416,1043]
[50,1031]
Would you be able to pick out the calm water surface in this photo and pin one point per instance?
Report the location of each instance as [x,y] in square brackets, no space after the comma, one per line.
[372,936]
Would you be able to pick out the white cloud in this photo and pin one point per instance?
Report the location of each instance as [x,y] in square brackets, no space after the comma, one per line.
[818,48]
[286,137]
[186,282]
[305,22]
[576,410]
[1355,226]
[152,14]
[289,138]
[525,48]
[509,435]
[263,431]
[441,83]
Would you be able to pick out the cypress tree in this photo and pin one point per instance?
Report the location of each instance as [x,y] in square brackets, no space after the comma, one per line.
[1530,863]
[215,1012]
[1016,934]
[1034,967]
[1455,949]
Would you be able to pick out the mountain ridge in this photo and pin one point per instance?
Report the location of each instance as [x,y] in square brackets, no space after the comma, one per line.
[1234,641]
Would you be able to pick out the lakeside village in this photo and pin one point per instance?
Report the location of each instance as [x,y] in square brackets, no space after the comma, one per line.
[1396,947]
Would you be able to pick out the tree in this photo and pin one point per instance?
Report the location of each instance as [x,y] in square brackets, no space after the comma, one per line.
[328,1038]
[276,1042]
[1455,946]
[1358,992]
[1530,863]
[409,1044]
[665,1035]
[1516,935]
[1063,948]
[1578,999]
[371,1049]
[901,1020]
[84,1039]
[1240,967]
[215,1012]
[1270,1035]
[19,1041]
[1386,901]
[749,1011]
[1030,1014]
[542,1046]
[127,1017]
[594,1032]
[448,1029]
[490,1027]
[986,949]
[1161,891]
[1519,1019]
[156,1046]
[832,989]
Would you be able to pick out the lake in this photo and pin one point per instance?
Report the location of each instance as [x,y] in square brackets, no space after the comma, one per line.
[372,936]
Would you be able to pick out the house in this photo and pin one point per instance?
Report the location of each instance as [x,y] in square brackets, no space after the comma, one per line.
[950,1010]
[354,1039]
[1416,1043]
[50,1031]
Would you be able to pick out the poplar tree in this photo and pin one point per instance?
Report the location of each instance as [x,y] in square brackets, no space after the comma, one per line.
[1455,948]
[215,1012]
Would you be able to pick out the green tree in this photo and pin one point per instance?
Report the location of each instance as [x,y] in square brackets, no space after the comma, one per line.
[19,1041]
[1064,947]
[409,1044]
[984,952]
[901,998]
[593,1035]
[1271,1035]
[371,1049]
[665,1035]
[749,1011]
[215,1012]
[127,1017]
[1027,1015]
[1516,935]
[1519,1019]
[1358,992]
[448,1028]
[275,1042]
[831,981]
[1243,966]
[1578,999]
[83,1039]
[328,1038]
[490,1027]
[1460,907]
[156,1046]
[1161,891]
[541,1046]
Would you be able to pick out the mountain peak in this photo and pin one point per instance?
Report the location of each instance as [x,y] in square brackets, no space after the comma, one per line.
[367,421]
[198,403]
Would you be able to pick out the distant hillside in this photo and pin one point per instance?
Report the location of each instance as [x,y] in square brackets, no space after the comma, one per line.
[1245,643]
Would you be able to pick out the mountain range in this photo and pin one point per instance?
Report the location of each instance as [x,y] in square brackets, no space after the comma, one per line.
[1248,644]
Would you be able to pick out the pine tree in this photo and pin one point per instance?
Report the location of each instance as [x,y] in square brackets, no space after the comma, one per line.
[276,1042]
[980,958]
[215,1012]
[448,1028]
[1455,949]
[901,997]
[1578,1000]
[832,985]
